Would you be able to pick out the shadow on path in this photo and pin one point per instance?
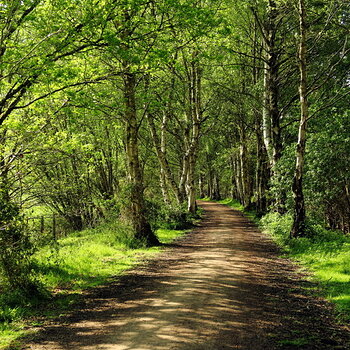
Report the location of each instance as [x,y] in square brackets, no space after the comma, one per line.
[223,286]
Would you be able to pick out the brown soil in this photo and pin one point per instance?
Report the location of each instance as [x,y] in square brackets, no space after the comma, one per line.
[223,286]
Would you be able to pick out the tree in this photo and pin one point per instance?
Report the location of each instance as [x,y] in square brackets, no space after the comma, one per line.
[298,228]
[36,37]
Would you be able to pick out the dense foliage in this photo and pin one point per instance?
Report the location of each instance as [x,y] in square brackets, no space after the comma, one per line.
[133,109]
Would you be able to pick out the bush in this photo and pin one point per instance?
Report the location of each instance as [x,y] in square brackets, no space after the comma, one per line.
[277,224]
[173,217]
[16,249]
[176,218]
[124,236]
[8,314]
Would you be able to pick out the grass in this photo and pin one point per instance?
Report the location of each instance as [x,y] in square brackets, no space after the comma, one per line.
[295,342]
[74,263]
[325,253]
[88,258]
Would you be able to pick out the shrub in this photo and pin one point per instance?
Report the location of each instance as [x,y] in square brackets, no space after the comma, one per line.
[15,268]
[176,218]
[277,224]
[173,217]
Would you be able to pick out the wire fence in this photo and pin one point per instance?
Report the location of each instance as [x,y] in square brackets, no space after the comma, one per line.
[46,228]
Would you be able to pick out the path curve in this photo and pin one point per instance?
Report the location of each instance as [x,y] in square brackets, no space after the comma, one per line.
[223,286]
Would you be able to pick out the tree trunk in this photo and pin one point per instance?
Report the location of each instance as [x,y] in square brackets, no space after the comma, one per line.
[194,116]
[298,228]
[201,186]
[163,187]
[267,119]
[137,210]
[238,178]
[142,228]
[217,194]
[160,147]
[261,176]
[183,176]
[233,178]
[244,167]
[271,115]
[190,187]
[210,184]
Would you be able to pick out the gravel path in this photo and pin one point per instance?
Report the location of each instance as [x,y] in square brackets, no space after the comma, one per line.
[223,286]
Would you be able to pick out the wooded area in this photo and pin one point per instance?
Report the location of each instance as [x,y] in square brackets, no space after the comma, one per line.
[133,109]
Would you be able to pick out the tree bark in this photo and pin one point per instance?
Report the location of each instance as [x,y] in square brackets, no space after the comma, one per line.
[201,186]
[298,228]
[137,210]
[160,147]
[217,193]
[244,166]
[271,113]
[238,177]
[234,193]
[261,173]
[142,228]
[191,137]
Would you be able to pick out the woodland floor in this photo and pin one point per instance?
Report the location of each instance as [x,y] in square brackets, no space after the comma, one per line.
[223,286]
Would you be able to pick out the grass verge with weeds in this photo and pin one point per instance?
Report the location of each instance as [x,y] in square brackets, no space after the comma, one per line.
[67,267]
[325,253]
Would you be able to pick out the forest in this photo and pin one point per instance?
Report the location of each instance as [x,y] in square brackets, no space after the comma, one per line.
[126,112]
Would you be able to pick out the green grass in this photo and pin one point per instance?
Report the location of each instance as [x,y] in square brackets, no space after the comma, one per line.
[9,335]
[295,342]
[325,253]
[77,262]
[88,258]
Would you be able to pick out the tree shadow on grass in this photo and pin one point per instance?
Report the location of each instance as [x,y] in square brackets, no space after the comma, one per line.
[222,287]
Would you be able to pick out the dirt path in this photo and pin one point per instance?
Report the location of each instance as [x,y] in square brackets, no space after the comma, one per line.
[221,287]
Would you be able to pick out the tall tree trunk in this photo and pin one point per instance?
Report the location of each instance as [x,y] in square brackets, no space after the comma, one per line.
[244,166]
[233,178]
[210,182]
[267,119]
[260,171]
[190,186]
[137,210]
[271,114]
[163,187]
[160,147]
[194,116]
[183,175]
[165,193]
[201,186]
[217,194]
[298,228]
[142,228]
[238,178]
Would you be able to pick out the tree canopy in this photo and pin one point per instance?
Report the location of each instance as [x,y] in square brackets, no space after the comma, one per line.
[136,108]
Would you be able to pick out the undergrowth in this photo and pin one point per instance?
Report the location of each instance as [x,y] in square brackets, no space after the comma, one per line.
[323,252]
[326,253]
[67,267]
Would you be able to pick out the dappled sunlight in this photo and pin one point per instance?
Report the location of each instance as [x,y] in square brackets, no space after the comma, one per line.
[223,287]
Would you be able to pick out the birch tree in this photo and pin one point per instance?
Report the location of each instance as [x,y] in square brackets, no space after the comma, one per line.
[298,228]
